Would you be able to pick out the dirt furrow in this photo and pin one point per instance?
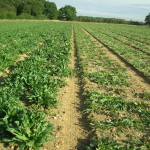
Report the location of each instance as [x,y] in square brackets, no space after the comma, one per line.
[138,83]
[70,130]
[70,133]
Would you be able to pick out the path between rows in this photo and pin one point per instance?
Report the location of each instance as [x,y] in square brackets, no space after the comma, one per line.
[70,130]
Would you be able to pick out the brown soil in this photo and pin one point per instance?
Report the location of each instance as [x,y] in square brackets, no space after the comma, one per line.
[21,57]
[2,147]
[70,131]
[139,85]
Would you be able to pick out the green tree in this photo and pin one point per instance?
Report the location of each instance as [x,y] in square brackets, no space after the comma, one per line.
[20,8]
[7,9]
[32,7]
[37,7]
[50,10]
[61,14]
[68,13]
[147,19]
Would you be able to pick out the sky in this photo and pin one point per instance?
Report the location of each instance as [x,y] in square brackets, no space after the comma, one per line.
[125,9]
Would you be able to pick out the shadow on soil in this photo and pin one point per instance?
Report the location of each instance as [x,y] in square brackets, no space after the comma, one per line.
[82,143]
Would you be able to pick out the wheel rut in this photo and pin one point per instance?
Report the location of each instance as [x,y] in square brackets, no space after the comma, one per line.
[71,132]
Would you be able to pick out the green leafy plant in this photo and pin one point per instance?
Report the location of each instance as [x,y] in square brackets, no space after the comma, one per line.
[105,144]
[23,127]
[145,95]
[108,79]
[34,84]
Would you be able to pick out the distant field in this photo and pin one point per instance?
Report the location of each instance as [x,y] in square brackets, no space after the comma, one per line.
[89,83]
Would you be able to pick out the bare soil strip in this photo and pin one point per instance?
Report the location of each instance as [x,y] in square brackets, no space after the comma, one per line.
[138,83]
[70,129]
[119,58]
[4,148]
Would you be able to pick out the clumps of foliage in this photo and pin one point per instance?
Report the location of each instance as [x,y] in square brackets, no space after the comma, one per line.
[24,127]
[147,19]
[32,88]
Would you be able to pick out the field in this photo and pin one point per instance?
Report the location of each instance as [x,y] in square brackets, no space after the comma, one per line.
[71,85]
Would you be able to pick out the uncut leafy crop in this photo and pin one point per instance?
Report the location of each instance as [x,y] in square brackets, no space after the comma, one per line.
[13,32]
[22,41]
[118,121]
[33,85]
[113,106]
[7,27]
[119,33]
[19,125]
[134,33]
[138,56]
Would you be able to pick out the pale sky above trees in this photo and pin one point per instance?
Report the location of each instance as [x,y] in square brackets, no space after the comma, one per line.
[125,9]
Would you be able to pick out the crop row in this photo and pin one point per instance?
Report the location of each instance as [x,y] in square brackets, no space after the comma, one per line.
[11,26]
[135,57]
[24,41]
[31,88]
[134,33]
[132,43]
[14,30]
[118,121]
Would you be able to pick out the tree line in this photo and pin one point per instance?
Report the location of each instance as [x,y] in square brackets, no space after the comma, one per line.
[43,9]
[35,9]
[108,20]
